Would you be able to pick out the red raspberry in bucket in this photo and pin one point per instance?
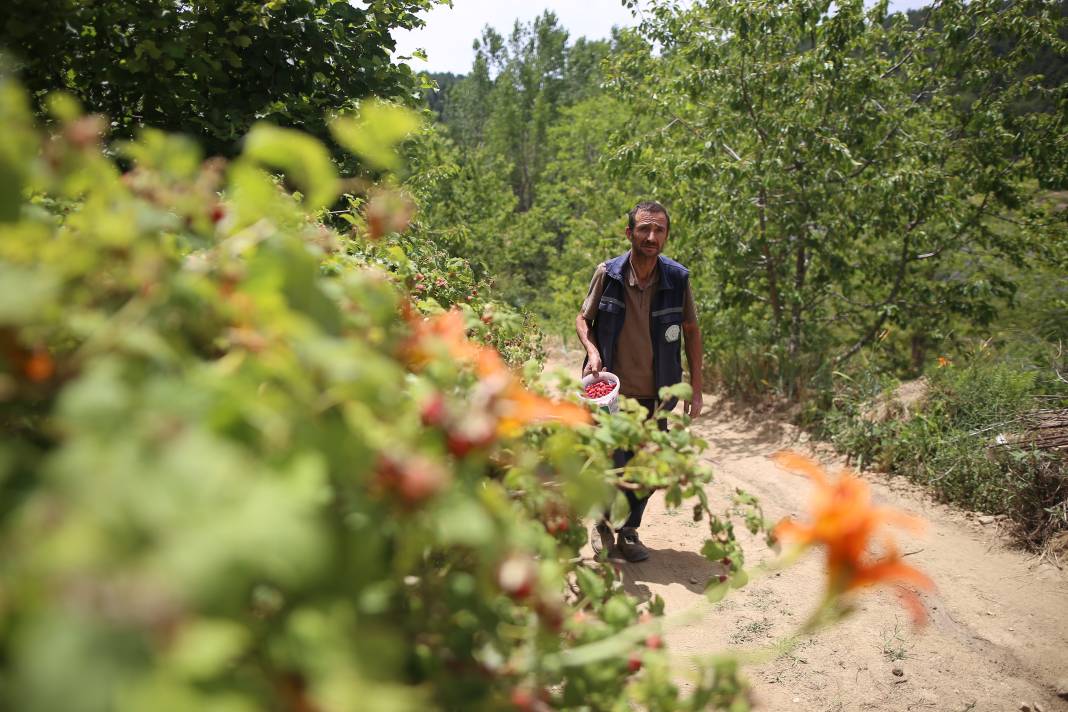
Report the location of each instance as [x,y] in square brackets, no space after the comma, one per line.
[599,389]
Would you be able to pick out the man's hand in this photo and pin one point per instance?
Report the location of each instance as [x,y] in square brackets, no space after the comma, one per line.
[593,363]
[693,406]
[593,356]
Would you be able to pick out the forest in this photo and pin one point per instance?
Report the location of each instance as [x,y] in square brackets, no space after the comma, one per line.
[276,428]
[845,190]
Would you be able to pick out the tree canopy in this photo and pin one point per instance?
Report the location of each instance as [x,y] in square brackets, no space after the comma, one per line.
[211,69]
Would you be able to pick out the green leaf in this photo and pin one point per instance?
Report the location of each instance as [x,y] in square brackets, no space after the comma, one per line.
[461,521]
[682,391]
[374,133]
[739,579]
[205,647]
[27,293]
[63,106]
[175,156]
[713,551]
[618,612]
[590,584]
[716,593]
[302,158]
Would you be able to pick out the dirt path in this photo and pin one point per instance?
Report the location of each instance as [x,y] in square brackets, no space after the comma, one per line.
[998,632]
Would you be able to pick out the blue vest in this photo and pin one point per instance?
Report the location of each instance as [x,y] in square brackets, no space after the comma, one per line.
[665,319]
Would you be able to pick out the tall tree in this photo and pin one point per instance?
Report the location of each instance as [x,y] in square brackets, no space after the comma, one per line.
[467,103]
[210,68]
[533,110]
[512,96]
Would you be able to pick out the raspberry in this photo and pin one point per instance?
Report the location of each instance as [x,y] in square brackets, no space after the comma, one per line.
[598,389]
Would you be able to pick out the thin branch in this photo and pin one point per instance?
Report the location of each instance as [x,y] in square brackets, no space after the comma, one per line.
[891,70]
[732,152]
[899,280]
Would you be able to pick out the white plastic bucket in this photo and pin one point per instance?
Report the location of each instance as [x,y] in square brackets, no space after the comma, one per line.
[610,401]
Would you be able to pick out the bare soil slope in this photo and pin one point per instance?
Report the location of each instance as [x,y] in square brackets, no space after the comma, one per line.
[998,632]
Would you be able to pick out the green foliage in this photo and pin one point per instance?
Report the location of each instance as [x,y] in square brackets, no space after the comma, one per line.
[580,216]
[968,439]
[374,133]
[467,204]
[835,167]
[211,69]
[842,181]
[531,178]
[242,471]
[512,112]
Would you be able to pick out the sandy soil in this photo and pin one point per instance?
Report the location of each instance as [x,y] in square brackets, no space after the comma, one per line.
[998,632]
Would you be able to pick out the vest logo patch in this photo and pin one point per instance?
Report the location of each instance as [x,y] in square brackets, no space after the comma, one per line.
[672,333]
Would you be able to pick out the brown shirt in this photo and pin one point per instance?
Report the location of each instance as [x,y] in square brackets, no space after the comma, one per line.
[633,360]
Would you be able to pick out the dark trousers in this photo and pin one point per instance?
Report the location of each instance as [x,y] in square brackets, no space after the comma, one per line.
[621,457]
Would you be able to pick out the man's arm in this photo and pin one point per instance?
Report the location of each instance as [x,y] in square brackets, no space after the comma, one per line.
[593,363]
[693,352]
[692,334]
[585,319]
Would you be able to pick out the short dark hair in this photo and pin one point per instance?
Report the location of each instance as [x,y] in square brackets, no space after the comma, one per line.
[649,206]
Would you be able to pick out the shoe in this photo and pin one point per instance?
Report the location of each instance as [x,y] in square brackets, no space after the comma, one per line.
[602,538]
[630,546]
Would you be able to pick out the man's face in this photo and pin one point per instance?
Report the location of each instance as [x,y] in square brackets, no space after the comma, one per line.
[649,235]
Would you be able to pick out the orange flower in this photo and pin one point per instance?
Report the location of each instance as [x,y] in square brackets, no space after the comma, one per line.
[447,330]
[943,362]
[844,521]
[499,393]
[517,407]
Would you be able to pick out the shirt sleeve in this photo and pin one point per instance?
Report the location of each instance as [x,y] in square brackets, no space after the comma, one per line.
[689,311]
[593,297]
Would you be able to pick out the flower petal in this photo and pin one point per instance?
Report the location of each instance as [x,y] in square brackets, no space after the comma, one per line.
[796,462]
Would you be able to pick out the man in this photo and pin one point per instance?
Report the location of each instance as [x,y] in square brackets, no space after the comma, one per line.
[638,307]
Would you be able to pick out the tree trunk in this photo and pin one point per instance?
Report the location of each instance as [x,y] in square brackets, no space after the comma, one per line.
[769,262]
[919,352]
[794,348]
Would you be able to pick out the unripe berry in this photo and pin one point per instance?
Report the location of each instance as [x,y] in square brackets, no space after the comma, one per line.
[517,575]
[523,699]
[432,413]
[39,366]
[413,480]
[474,433]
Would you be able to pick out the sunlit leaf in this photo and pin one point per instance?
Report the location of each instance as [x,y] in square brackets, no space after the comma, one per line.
[303,159]
[373,134]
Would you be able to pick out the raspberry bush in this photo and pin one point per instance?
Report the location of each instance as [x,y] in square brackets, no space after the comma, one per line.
[249,464]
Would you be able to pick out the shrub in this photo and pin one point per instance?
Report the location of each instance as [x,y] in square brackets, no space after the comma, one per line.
[967,440]
[244,468]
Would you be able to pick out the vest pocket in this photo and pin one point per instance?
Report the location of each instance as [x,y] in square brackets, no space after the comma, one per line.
[668,325]
[668,314]
[611,305]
